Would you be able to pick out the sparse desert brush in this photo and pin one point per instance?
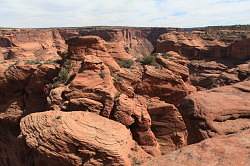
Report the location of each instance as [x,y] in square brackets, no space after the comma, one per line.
[126,63]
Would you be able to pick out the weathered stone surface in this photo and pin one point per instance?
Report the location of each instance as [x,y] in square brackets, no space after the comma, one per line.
[222,150]
[164,84]
[175,67]
[205,44]
[27,82]
[86,77]
[79,138]
[220,111]
[79,47]
[132,112]
[32,44]
[167,125]
[212,74]
[12,150]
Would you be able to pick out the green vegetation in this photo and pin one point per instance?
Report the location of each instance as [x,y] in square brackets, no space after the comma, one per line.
[58,117]
[49,62]
[166,55]
[38,62]
[126,63]
[117,78]
[62,78]
[102,74]
[67,64]
[64,74]
[117,95]
[33,62]
[149,60]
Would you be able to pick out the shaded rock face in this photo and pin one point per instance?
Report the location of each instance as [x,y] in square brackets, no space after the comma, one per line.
[22,92]
[25,83]
[167,125]
[132,112]
[69,86]
[222,150]
[220,111]
[11,148]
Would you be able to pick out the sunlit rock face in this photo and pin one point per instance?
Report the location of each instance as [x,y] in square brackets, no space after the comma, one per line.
[124,96]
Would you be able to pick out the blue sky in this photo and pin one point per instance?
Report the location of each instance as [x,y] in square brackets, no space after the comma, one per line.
[166,13]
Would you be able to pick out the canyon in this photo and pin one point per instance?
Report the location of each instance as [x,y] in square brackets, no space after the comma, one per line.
[125,96]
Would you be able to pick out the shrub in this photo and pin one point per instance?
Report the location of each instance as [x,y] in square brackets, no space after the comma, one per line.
[166,55]
[149,60]
[117,78]
[67,64]
[63,75]
[126,63]
[117,96]
[62,78]
[49,62]
[102,74]
[58,117]
[33,62]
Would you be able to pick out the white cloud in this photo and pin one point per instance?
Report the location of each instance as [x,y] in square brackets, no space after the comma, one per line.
[178,13]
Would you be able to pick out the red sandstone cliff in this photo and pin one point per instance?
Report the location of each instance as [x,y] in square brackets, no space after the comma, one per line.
[139,86]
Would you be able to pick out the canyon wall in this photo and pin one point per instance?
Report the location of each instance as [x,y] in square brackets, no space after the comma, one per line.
[75,96]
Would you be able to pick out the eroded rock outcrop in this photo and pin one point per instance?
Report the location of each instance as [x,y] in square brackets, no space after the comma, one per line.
[169,81]
[223,150]
[80,138]
[22,92]
[167,125]
[220,111]
[31,44]
[205,44]
[124,75]
[212,74]
[25,82]
[132,112]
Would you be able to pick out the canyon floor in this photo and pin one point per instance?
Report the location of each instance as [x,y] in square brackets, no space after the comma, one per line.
[124,96]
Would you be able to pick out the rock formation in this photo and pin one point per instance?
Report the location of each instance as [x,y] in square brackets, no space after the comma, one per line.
[222,150]
[79,138]
[123,96]
[220,111]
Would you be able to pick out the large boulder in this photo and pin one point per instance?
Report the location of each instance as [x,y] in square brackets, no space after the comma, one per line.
[79,138]
[223,151]
[220,111]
